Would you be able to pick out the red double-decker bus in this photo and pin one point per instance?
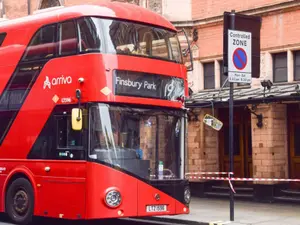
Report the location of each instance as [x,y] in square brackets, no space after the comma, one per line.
[92,117]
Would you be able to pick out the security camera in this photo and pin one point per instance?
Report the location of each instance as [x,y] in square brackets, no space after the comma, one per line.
[266,84]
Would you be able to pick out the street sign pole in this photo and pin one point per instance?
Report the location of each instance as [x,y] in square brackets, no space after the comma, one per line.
[241,55]
[231,140]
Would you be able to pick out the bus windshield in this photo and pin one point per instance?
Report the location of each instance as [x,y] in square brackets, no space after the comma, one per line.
[128,38]
[143,142]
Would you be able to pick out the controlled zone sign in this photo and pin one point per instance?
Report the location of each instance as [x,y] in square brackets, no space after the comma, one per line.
[239,56]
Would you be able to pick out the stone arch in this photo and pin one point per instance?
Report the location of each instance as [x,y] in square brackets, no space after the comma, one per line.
[44,4]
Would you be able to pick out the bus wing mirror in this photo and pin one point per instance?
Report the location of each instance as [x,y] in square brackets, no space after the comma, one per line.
[77,119]
[186,51]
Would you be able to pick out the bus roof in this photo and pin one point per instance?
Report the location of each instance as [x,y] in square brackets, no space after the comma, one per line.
[118,10]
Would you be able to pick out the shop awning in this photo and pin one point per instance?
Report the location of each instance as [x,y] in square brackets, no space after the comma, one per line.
[243,96]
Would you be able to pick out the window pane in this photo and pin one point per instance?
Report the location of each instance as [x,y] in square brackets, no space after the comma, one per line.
[14,95]
[43,44]
[280,67]
[2,37]
[128,38]
[137,140]
[160,46]
[297,58]
[68,38]
[280,75]
[66,136]
[57,139]
[209,76]
[223,78]
[297,73]
[280,60]
[175,49]
[90,34]
[297,65]
[49,3]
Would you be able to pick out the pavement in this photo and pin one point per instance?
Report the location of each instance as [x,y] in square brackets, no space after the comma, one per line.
[216,211]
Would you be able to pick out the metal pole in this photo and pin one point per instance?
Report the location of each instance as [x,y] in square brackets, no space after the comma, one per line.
[29,6]
[157,148]
[231,139]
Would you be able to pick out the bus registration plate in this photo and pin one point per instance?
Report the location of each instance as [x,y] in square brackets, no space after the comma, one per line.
[156,208]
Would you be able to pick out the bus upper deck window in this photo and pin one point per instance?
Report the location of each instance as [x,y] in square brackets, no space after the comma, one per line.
[68,38]
[89,34]
[42,45]
[2,37]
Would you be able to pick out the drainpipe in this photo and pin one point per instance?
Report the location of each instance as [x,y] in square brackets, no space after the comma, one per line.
[3,9]
[28,6]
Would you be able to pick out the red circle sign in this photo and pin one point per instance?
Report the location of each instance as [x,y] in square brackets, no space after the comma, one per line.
[239,58]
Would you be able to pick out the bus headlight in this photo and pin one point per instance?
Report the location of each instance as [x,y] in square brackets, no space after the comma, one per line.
[113,198]
[187,195]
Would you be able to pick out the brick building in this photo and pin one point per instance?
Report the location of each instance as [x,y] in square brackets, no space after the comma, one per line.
[267,148]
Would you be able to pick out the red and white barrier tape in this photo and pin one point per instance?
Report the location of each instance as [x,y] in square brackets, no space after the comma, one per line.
[244,179]
[216,178]
[217,173]
[194,177]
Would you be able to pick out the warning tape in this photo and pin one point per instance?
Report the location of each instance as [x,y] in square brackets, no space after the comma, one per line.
[229,178]
[244,179]
[217,173]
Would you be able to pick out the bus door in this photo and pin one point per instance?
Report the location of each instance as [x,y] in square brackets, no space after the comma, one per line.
[62,173]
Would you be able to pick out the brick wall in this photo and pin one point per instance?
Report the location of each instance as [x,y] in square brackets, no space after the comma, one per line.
[203,151]
[274,33]
[270,151]
[209,8]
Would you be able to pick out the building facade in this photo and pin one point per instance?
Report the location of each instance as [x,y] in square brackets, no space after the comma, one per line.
[266,112]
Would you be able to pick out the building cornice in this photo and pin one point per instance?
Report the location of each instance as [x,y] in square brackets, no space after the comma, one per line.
[261,11]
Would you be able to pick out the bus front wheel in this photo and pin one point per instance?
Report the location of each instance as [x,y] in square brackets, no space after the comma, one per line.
[19,203]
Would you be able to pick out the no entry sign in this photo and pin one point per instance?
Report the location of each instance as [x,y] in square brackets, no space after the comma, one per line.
[239,56]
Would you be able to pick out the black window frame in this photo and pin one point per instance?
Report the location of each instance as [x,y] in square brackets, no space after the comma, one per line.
[296,75]
[2,37]
[75,22]
[223,78]
[23,87]
[55,55]
[103,49]
[279,79]
[49,135]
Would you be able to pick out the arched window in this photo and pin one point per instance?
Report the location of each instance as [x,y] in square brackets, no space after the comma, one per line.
[49,3]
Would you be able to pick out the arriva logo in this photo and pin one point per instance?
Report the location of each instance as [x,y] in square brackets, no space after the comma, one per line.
[57,81]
